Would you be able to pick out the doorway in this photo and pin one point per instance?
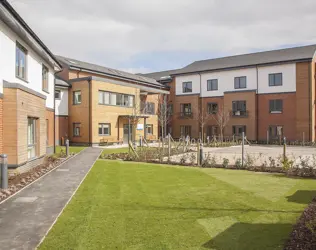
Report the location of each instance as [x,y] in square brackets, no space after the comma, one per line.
[126,132]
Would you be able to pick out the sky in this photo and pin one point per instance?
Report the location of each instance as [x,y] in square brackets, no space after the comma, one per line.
[141,36]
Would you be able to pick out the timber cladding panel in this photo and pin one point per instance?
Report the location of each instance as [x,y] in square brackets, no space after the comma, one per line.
[249,121]
[18,106]
[178,121]
[1,126]
[50,130]
[287,118]
[79,113]
[303,100]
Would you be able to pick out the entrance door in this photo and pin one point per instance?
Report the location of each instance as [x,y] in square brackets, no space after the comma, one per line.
[126,132]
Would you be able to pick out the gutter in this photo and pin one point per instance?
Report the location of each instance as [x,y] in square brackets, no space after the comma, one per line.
[90,115]
[257,107]
[18,18]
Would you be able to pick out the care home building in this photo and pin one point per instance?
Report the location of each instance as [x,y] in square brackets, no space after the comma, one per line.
[268,95]
[96,105]
[27,70]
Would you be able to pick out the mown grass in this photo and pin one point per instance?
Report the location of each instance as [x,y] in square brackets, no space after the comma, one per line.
[72,149]
[127,205]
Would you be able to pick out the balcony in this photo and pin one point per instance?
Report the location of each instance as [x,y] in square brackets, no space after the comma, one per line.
[239,113]
[148,108]
[185,115]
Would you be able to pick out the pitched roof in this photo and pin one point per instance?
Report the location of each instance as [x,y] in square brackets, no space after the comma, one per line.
[160,75]
[253,59]
[73,63]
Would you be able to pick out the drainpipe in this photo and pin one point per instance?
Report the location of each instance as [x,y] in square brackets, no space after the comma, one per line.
[310,101]
[201,106]
[257,108]
[90,117]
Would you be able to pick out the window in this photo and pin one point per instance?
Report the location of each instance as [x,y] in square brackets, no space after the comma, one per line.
[212,108]
[185,130]
[20,62]
[212,130]
[237,130]
[275,79]
[45,78]
[187,87]
[149,129]
[212,85]
[239,108]
[116,99]
[57,94]
[275,132]
[185,110]
[47,132]
[170,109]
[104,129]
[276,106]
[148,108]
[240,82]
[31,138]
[77,97]
[76,129]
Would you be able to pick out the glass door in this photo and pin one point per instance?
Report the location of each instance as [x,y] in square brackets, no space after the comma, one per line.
[31,138]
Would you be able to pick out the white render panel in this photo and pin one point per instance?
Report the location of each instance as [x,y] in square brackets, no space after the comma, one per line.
[8,41]
[61,107]
[226,81]
[195,79]
[288,78]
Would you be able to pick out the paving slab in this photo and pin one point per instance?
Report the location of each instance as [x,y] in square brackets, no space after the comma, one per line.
[26,217]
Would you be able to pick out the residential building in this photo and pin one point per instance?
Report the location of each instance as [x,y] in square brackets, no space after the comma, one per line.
[27,79]
[268,95]
[96,105]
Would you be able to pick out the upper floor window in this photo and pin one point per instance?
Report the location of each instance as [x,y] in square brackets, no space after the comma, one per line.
[148,108]
[77,97]
[57,94]
[275,79]
[44,78]
[187,87]
[20,62]
[240,82]
[212,85]
[170,109]
[104,129]
[185,110]
[212,108]
[239,108]
[116,99]
[276,106]
[76,129]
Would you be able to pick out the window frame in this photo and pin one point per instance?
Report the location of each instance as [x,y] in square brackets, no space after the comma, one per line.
[237,86]
[59,91]
[103,124]
[152,129]
[47,78]
[273,104]
[73,97]
[32,146]
[119,98]
[74,126]
[186,128]
[236,127]
[273,75]
[209,104]
[18,49]
[185,88]
[182,108]
[277,136]
[210,84]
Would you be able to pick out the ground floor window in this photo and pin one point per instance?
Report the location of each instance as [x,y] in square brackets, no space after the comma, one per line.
[76,129]
[237,130]
[212,130]
[185,131]
[47,132]
[275,132]
[104,129]
[149,129]
[31,138]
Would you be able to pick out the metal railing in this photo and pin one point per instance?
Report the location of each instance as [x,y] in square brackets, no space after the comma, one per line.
[185,115]
[239,113]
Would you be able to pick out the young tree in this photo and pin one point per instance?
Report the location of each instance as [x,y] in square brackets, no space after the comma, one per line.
[164,114]
[202,116]
[222,118]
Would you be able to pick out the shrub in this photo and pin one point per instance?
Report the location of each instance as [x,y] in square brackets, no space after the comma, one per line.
[249,161]
[286,163]
[193,158]
[183,158]
[225,162]
[238,163]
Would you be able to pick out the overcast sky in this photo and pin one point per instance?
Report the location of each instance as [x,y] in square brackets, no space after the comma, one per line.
[153,35]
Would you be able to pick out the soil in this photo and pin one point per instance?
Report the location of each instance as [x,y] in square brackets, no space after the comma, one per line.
[303,235]
[19,181]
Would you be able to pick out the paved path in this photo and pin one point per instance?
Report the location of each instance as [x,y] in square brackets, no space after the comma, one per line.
[26,217]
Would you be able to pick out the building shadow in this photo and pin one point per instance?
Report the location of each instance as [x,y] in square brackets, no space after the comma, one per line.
[246,236]
[302,196]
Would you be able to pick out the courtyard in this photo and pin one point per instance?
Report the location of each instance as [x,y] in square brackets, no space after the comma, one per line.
[128,205]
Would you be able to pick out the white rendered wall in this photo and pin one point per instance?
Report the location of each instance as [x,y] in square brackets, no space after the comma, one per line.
[61,105]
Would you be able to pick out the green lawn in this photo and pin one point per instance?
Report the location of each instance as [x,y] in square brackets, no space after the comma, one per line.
[125,205]
[72,149]
[114,150]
